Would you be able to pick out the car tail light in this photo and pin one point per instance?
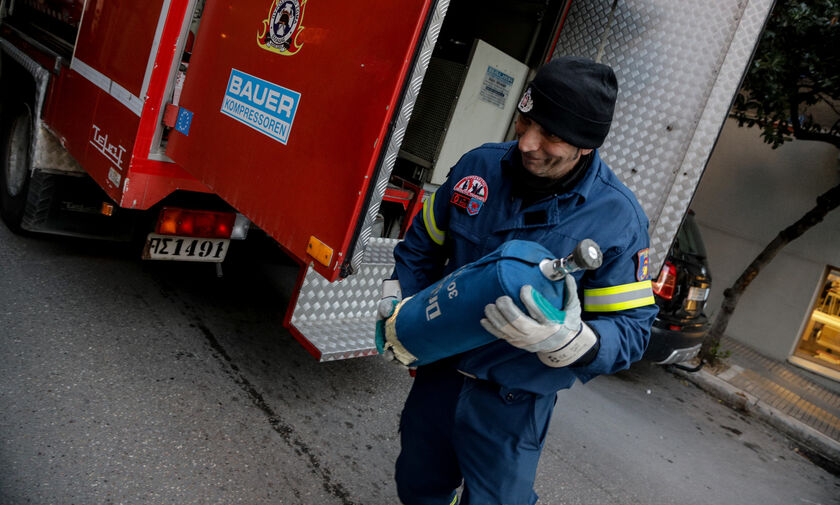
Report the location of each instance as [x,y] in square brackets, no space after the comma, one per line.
[195,223]
[667,282]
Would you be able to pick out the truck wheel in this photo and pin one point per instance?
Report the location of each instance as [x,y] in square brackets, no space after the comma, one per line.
[15,166]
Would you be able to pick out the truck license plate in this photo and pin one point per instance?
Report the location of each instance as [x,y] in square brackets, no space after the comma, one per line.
[698,294]
[173,247]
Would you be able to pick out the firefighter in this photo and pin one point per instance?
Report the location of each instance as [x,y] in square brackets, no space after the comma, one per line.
[479,419]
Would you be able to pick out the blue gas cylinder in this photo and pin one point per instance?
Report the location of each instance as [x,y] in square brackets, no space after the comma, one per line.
[443,319]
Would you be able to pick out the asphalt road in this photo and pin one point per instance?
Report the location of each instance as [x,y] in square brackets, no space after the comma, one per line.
[133,382]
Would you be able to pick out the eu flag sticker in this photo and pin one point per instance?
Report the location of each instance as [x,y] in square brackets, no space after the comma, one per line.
[184,121]
[264,106]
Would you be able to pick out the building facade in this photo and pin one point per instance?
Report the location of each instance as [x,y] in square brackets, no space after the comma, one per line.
[748,194]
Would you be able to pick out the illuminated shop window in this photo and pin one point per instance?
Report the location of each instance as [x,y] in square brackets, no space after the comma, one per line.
[820,342]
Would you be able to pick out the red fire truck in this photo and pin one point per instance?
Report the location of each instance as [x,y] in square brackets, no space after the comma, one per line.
[323,124]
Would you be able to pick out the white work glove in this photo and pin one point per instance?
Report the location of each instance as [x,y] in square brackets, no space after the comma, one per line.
[559,337]
[391,296]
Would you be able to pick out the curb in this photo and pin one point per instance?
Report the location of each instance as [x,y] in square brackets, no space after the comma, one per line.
[825,446]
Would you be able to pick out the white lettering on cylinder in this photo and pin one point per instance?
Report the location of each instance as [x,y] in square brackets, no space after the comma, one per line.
[452,289]
[433,309]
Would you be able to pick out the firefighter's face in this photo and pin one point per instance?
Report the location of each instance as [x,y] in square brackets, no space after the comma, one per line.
[544,154]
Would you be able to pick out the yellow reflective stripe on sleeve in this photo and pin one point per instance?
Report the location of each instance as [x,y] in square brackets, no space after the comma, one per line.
[615,298]
[429,220]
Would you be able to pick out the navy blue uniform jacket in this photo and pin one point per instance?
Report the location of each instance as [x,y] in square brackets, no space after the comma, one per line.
[474,212]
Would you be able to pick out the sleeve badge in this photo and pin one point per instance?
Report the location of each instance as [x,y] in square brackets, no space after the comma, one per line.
[643,265]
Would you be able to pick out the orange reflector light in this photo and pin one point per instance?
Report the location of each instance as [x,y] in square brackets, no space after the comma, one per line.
[320,251]
[107,209]
[195,223]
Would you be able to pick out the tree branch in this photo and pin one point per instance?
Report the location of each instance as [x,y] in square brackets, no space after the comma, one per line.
[801,134]
[831,105]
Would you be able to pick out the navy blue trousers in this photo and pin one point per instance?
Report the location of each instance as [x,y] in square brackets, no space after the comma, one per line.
[456,429]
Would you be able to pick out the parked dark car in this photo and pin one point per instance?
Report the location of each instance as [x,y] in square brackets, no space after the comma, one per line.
[681,291]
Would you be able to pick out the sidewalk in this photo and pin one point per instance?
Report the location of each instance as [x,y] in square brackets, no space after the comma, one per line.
[794,401]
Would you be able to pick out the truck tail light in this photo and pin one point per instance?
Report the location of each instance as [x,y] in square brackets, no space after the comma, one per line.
[195,223]
[667,282]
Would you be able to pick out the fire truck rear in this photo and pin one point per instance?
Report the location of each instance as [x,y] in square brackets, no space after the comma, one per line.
[321,124]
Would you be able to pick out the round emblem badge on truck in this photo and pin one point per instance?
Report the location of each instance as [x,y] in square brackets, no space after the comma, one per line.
[281,30]
[284,20]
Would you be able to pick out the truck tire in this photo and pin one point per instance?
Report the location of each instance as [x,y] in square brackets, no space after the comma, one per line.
[15,165]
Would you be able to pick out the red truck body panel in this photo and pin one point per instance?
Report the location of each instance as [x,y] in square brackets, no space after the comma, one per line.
[347,73]
[105,107]
[115,38]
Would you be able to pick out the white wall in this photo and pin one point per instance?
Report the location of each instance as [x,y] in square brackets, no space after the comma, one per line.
[748,194]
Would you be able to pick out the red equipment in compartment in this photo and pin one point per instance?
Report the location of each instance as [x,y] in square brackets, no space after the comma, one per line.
[409,196]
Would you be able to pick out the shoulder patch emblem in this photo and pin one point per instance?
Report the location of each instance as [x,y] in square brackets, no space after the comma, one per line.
[643,265]
[527,103]
[470,194]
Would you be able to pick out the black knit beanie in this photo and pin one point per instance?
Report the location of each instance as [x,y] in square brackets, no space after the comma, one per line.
[573,98]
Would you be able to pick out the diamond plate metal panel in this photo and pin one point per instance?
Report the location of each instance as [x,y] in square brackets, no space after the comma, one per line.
[678,63]
[50,156]
[338,318]
[412,89]
[719,101]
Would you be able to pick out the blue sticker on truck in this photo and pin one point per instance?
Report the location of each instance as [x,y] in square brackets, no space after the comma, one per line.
[184,121]
[264,106]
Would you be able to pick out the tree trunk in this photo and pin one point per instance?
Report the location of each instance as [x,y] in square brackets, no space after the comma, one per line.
[826,202]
